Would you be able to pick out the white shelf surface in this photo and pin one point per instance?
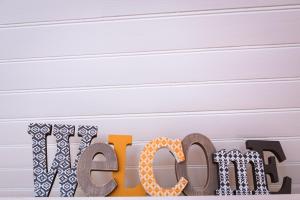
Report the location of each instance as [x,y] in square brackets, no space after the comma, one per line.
[262,197]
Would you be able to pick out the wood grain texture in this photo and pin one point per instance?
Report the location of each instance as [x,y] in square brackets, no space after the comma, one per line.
[181,168]
[86,164]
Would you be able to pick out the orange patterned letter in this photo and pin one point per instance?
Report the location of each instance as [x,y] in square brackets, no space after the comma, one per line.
[146,167]
[120,142]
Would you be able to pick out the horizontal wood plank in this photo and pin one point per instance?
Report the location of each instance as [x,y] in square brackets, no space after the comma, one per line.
[248,124]
[199,31]
[58,11]
[190,98]
[210,66]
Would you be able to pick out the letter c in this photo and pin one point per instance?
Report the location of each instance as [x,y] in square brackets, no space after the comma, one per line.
[146,167]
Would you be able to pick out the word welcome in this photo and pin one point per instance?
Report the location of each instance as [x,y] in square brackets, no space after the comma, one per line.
[70,175]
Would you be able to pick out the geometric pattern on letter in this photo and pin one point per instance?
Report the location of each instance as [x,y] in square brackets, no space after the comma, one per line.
[44,178]
[146,173]
[223,171]
[241,172]
[259,175]
[240,161]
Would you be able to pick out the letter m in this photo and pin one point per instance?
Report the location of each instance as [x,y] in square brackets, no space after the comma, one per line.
[44,178]
[240,161]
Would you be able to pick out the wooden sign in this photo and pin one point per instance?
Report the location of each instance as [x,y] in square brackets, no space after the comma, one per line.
[217,181]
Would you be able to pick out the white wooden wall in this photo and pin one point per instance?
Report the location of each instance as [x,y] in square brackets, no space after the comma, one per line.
[227,69]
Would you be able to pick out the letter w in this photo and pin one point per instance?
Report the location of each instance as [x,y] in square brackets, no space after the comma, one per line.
[44,178]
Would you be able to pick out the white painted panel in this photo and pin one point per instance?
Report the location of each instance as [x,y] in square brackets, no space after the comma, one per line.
[16,192]
[199,31]
[247,124]
[189,98]
[13,11]
[222,65]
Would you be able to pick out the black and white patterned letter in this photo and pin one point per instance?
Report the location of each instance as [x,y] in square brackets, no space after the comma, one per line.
[260,182]
[240,161]
[44,178]
[223,161]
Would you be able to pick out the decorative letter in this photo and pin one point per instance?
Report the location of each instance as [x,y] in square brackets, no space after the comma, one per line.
[223,161]
[146,167]
[240,161]
[259,177]
[240,172]
[43,179]
[181,169]
[274,146]
[120,142]
[86,165]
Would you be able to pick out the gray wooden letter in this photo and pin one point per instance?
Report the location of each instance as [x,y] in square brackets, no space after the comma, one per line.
[86,165]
